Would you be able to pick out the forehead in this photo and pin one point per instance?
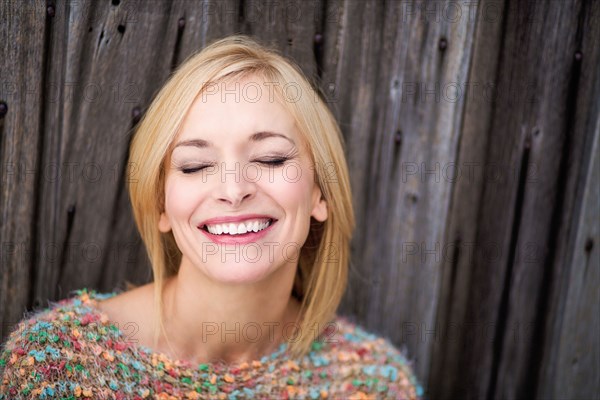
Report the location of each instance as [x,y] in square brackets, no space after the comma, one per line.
[236,108]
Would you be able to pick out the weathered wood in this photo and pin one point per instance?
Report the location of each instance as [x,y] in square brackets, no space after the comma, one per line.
[111,62]
[350,76]
[531,139]
[381,75]
[288,26]
[491,284]
[570,355]
[22,45]
[552,70]
[451,327]
[204,21]
[571,369]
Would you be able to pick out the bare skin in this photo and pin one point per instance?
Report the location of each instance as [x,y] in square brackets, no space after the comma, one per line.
[132,313]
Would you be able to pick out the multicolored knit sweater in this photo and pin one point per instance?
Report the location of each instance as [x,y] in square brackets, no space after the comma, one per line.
[71,350]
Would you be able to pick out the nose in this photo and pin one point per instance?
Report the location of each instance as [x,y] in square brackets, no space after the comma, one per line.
[234,187]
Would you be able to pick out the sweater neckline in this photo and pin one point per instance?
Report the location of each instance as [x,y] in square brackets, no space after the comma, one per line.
[90,297]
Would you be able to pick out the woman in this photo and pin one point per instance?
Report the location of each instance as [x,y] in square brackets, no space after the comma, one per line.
[241,194]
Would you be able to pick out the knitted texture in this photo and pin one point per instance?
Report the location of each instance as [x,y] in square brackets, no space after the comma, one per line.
[72,351]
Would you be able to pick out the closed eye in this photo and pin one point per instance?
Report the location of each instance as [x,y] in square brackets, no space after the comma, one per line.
[191,170]
[270,162]
[274,162]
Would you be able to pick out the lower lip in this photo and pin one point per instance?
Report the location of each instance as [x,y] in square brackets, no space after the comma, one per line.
[244,238]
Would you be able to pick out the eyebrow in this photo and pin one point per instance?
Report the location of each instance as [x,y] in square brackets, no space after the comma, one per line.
[255,137]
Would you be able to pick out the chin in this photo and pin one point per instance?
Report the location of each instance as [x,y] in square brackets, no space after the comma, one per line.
[237,273]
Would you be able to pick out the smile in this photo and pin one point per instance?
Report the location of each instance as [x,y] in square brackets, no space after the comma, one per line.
[237,230]
[241,228]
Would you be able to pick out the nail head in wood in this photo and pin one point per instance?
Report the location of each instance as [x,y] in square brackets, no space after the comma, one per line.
[50,11]
[442,44]
[578,56]
[318,39]
[3,109]
[589,245]
[181,23]
[398,136]
[136,114]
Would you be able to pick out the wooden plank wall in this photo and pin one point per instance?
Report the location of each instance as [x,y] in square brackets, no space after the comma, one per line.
[472,133]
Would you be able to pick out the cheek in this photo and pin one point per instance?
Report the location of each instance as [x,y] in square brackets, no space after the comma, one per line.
[292,190]
[181,198]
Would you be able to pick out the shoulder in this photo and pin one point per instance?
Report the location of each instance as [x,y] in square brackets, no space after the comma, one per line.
[49,344]
[128,306]
[364,364]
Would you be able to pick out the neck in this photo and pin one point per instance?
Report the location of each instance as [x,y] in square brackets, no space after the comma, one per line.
[207,321]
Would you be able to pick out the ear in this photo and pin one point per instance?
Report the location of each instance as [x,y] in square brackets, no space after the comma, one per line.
[164,225]
[319,205]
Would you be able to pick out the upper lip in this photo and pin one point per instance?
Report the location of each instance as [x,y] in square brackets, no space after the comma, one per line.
[235,219]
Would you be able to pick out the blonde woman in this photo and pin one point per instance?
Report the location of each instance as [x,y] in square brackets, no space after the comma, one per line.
[240,191]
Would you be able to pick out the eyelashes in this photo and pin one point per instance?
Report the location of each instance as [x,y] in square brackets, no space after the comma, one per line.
[269,162]
[191,170]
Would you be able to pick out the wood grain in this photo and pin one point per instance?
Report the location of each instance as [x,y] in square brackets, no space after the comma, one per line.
[471,135]
[23,48]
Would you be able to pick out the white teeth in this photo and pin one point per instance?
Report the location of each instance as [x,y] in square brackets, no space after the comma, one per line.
[238,229]
[241,229]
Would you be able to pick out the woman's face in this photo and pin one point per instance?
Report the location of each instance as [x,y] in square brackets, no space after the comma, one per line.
[239,165]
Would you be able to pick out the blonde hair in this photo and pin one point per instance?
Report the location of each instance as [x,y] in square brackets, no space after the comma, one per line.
[322,272]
